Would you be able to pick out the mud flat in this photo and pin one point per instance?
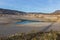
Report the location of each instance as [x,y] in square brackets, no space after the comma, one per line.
[18,28]
[13,28]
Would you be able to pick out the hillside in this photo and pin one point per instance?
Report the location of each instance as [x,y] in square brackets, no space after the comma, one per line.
[57,12]
[8,11]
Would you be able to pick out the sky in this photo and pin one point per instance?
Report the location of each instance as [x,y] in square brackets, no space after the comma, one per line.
[45,6]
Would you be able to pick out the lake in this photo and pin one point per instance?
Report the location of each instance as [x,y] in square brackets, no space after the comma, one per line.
[23,26]
[26,22]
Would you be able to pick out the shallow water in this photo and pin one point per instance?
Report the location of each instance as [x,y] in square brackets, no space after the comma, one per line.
[26,22]
[24,26]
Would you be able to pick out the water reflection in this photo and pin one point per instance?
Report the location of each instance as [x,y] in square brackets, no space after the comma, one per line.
[26,21]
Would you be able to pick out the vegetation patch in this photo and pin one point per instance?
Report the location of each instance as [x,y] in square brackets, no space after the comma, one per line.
[52,35]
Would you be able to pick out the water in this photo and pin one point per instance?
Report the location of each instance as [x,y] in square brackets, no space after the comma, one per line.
[26,22]
[28,25]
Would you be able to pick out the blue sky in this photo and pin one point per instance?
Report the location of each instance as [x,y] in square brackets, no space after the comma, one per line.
[31,5]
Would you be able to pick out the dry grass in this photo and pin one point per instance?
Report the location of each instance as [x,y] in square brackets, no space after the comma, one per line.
[52,35]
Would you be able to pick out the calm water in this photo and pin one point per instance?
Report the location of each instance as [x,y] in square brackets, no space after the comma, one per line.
[12,28]
[26,22]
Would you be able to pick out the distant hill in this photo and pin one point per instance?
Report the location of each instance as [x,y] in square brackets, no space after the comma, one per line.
[57,12]
[8,11]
